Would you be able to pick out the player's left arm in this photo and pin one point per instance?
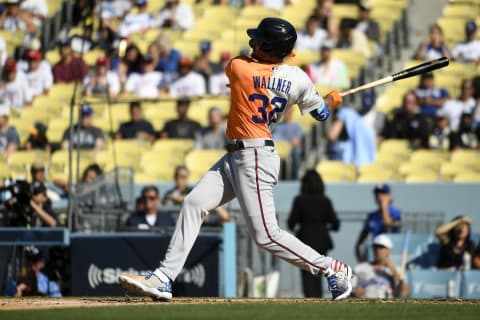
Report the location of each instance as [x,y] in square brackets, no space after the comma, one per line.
[331,101]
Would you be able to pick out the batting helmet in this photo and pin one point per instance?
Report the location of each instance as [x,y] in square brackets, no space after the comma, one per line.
[277,36]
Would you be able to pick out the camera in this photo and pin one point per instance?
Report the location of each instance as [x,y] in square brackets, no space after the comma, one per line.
[15,210]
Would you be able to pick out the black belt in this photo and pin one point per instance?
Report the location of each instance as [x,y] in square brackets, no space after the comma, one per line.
[240,145]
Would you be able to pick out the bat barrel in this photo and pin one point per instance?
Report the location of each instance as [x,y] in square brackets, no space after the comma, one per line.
[421,68]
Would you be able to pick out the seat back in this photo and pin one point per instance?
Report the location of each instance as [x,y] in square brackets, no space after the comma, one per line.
[434,283]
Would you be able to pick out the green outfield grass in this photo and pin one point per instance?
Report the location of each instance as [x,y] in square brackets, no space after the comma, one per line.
[408,310]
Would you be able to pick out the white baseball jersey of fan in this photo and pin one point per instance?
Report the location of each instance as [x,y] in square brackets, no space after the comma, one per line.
[144,85]
[192,84]
[39,81]
[16,93]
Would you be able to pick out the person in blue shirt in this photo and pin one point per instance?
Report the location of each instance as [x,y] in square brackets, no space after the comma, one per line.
[385,219]
[430,97]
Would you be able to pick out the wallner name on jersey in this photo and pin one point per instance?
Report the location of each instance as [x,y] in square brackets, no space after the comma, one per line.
[272,83]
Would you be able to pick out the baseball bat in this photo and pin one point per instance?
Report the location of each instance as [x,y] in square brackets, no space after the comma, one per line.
[403,266]
[407,73]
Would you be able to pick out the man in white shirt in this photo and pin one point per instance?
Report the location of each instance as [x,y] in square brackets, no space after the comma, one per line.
[468,50]
[102,80]
[39,79]
[189,83]
[312,38]
[145,85]
[329,71]
[37,8]
[218,82]
[176,15]
[453,109]
[14,91]
[137,22]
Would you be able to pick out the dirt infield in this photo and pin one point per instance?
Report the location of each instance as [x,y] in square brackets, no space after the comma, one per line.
[49,303]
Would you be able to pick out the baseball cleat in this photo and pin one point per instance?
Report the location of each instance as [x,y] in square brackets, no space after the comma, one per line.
[339,276]
[147,285]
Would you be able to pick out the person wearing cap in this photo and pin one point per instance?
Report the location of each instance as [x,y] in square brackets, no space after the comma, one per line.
[312,37]
[70,68]
[176,15]
[456,245]
[218,82]
[430,97]
[140,21]
[351,38]
[379,279]
[14,89]
[9,138]
[386,218]
[137,127]
[328,71]
[434,47]
[102,80]
[83,42]
[365,23]
[203,63]
[147,83]
[188,82]
[469,49]
[31,280]
[13,18]
[39,79]
[85,135]
[183,126]
[42,214]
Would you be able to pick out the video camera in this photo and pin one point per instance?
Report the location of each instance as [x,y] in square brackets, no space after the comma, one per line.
[15,210]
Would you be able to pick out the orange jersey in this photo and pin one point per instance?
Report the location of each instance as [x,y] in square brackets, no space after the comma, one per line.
[261,93]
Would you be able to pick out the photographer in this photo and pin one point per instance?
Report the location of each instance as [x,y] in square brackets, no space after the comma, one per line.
[42,213]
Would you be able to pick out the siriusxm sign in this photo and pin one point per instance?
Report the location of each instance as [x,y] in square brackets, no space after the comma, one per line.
[97,261]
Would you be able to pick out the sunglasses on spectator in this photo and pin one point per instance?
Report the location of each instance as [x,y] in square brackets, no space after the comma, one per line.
[151,197]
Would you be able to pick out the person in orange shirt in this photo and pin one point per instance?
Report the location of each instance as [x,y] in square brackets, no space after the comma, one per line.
[262,89]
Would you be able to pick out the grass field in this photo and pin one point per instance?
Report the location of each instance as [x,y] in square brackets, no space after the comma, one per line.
[245,309]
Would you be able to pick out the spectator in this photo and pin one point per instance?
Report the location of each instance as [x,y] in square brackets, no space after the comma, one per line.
[373,118]
[14,19]
[140,21]
[182,127]
[328,22]
[151,216]
[42,214]
[466,137]
[313,213]
[176,15]
[131,63]
[32,281]
[14,91]
[476,258]
[290,131]
[456,246]
[39,78]
[468,50]
[351,140]
[271,4]
[146,84]
[85,135]
[9,139]
[107,32]
[379,279]
[55,189]
[37,9]
[137,127]
[23,64]
[102,80]
[409,123]
[440,138]
[82,43]
[312,38]
[203,64]
[365,24]
[188,83]
[430,97]
[175,196]
[91,173]
[350,38]
[385,219]
[434,47]
[329,71]
[3,52]
[218,82]
[37,139]
[466,103]
[168,56]
[213,136]
[70,68]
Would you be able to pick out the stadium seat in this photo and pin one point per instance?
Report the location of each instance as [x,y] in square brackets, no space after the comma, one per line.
[450,169]
[163,171]
[199,161]
[397,147]
[4,170]
[373,168]
[348,171]
[434,283]
[379,176]
[332,177]
[470,284]
[470,158]
[460,11]
[257,12]
[422,177]
[428,156]
[20,161]
[388,159]
[471,176]
[56,129]
[176,146]
[283,149]
[147,178]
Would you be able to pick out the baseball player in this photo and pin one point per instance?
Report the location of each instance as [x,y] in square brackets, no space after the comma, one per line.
[262,88]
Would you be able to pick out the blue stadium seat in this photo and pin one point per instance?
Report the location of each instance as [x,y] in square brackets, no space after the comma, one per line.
[434,283]
[471,284]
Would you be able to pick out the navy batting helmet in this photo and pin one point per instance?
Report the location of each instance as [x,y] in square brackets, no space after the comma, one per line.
[277,36]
